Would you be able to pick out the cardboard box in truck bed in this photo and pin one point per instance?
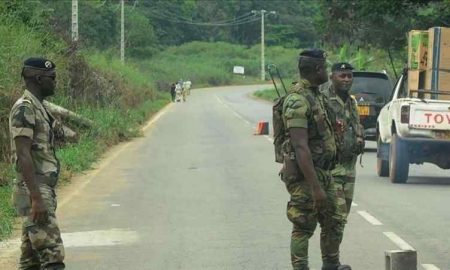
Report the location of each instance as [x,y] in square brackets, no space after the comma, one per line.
[438,81]
[437,77]
[417,49]
[439,48]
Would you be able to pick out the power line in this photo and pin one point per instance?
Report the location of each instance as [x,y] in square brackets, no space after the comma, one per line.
[243,19]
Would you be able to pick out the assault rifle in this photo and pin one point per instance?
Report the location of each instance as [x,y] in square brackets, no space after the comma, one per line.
[274,74]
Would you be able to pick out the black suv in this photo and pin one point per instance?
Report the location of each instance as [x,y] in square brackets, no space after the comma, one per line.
[372,91]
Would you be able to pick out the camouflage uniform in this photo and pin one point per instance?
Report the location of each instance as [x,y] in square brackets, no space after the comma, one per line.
[346,113]
[42,246]
[304,107]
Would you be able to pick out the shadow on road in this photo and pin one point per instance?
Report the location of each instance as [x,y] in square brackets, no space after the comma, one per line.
[370,150]
[422,180]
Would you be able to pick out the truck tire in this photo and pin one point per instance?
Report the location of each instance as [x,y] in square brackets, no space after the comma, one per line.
[382,165]
[399,160]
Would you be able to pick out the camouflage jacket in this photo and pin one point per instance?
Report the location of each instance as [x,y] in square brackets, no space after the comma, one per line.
[29,118]
[305,107]
[347,114]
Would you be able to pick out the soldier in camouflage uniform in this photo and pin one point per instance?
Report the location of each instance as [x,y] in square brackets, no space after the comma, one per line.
[32,142]
[309,155]
[350,134]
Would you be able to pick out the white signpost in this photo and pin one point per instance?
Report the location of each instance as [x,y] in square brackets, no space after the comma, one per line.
[238,70]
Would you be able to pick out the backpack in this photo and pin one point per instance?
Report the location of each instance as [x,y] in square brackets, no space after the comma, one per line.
[279,130]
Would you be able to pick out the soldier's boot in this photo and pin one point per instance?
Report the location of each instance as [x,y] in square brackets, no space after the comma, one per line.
[54,266]
[336,267]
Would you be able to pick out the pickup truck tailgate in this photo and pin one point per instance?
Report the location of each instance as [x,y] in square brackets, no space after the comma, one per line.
[434,116]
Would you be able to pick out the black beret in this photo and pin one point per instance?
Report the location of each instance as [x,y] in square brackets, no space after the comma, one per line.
[314,53]
[341,67]
[39,63]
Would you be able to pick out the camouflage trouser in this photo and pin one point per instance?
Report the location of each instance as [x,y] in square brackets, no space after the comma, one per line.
[301,213]
[346,184]
[42,246]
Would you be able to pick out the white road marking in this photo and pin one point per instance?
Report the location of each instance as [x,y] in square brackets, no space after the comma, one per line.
[113,237]
[430,267]
[233,111]
[354,204]
[269,138]
[398,241]
[7,248]
[115,205]
[371,219]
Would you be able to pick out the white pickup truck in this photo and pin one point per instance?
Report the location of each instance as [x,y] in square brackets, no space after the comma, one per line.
[412,131]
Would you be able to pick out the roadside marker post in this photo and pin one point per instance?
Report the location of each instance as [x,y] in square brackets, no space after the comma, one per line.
[401,260]
[262,128]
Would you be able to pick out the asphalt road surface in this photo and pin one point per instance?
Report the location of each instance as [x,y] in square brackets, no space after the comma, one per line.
[200,191]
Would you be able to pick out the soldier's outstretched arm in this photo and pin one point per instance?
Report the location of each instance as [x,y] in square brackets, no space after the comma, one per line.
[299,139]
[38,213]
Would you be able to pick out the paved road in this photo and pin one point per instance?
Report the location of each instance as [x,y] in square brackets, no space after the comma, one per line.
[200,191]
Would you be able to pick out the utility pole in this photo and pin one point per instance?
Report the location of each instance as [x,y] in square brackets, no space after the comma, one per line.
[122,32]
[263,13]
[74,21]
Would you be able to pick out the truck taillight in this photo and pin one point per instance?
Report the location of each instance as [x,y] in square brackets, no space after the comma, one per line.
[404,114]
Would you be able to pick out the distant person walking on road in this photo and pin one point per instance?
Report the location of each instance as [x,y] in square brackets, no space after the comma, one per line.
[309,151]
[187,87]
[172,91]
[178,92]
[32,130]
[350,133]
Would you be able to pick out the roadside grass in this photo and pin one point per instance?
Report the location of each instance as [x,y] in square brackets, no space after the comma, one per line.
[7,213]
[266,94]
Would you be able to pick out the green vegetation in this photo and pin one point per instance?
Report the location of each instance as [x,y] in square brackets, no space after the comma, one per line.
[6,212]
[207,63]
[267,94]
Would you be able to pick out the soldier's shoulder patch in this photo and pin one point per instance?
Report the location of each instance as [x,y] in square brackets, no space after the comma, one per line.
[23,116]
[295,101]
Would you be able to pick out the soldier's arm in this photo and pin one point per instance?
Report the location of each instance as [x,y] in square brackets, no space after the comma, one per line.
[299,138]
[25,162]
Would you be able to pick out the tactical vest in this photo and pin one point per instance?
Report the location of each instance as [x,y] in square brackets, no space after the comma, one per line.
[320,133]
[347,115]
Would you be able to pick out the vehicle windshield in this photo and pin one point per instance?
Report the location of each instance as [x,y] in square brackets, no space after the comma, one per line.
[371,87]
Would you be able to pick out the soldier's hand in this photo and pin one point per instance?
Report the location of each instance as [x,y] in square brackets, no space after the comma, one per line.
[39,212]
[319,198]
[360,144]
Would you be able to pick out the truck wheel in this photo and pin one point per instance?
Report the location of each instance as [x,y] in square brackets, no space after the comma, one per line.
[399,160]
[382,165]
